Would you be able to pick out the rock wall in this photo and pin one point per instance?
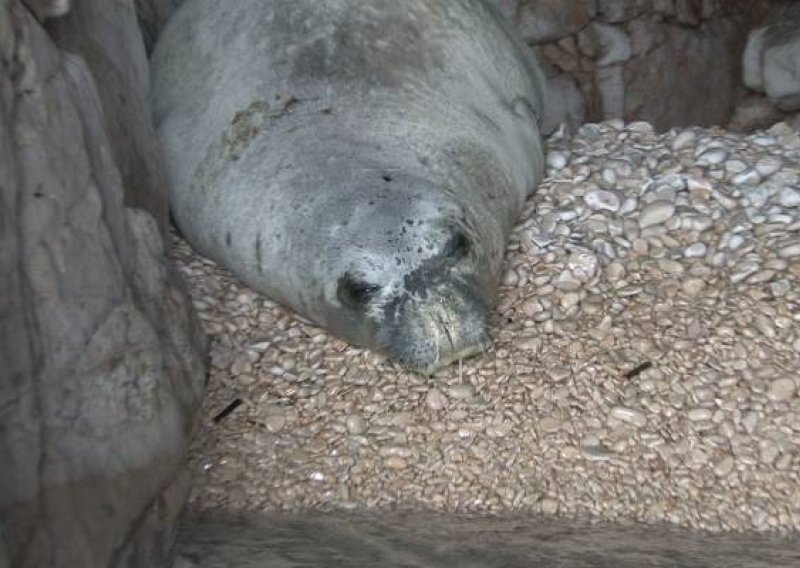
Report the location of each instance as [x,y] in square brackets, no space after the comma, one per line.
[771,72]
[103,365]
[667,62]
[152,15]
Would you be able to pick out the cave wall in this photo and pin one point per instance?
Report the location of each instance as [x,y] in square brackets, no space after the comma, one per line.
[667,62]
[103,362]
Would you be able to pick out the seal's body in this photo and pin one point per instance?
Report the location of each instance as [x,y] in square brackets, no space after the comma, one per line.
[360,161]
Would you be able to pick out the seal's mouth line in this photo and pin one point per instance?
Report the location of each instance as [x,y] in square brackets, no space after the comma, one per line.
[465,352]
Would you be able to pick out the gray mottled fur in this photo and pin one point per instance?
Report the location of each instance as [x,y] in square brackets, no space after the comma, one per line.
[310,139]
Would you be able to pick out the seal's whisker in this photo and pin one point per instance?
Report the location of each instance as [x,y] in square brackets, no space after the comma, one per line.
[446,330]
[436,349]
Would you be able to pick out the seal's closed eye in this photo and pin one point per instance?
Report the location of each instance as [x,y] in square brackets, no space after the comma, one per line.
[355,293]
[457,247]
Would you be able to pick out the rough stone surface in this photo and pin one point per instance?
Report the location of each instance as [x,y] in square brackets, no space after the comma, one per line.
[669,62]
[754,112]
[691,78]
[618,11]
[102,362]
[543,21]
[564,102]
[152,16]
[753,60]
[771,59]
[111,44]
[781,66]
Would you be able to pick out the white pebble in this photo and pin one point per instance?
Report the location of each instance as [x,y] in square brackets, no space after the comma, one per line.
[549,506]
[629,416]
[789,197]
[693,286]
[789,251]
[355,424]
[782,389]
[396,462]
[695,250]
[683,140]
[435,400]
[597,453]
[656,213]
[768,165]
[712,156]
[461,392]
[747,177]
[557,160]
[628,206]
[670,266]
[599,199]
[735,241]
[699,414]
[724,467]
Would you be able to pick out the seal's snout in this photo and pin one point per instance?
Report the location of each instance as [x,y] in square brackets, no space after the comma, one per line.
[445,323]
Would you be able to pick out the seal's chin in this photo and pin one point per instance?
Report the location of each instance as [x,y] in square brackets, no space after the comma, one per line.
[426,333]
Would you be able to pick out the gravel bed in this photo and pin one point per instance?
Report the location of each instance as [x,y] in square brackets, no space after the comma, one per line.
[646,362]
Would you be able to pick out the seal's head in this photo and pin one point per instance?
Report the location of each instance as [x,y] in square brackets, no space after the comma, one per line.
[415,279]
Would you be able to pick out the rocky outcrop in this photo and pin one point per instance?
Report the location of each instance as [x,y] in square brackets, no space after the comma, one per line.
[771,71]
[110,42]
[152,15]
[103,364]
[668,62]
[771,61]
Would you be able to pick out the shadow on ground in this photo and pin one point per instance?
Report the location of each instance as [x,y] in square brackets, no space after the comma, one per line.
[216,540]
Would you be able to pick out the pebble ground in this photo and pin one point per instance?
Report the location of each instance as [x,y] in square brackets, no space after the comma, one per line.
[646,362]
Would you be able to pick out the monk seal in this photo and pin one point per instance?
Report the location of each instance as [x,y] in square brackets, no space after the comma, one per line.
[360,162]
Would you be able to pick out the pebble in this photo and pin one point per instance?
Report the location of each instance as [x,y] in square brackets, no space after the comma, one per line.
[712,156]
[695,250]
[549,506]
[435,400]
[724,467]
[670,266]
[597,453]
[656,213]
[630,254]
[274,419]
[768,165]
[789,251]
[629,416]
[599,199]
[684,140]
[461,392]
[747,177]
[781,389]
[789,197]
[699,414]
[693,286]
[768,452]
[549,424]
[355,424]
[396,462]
[557,160]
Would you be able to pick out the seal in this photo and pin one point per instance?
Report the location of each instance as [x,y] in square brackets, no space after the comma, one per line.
[360,162]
